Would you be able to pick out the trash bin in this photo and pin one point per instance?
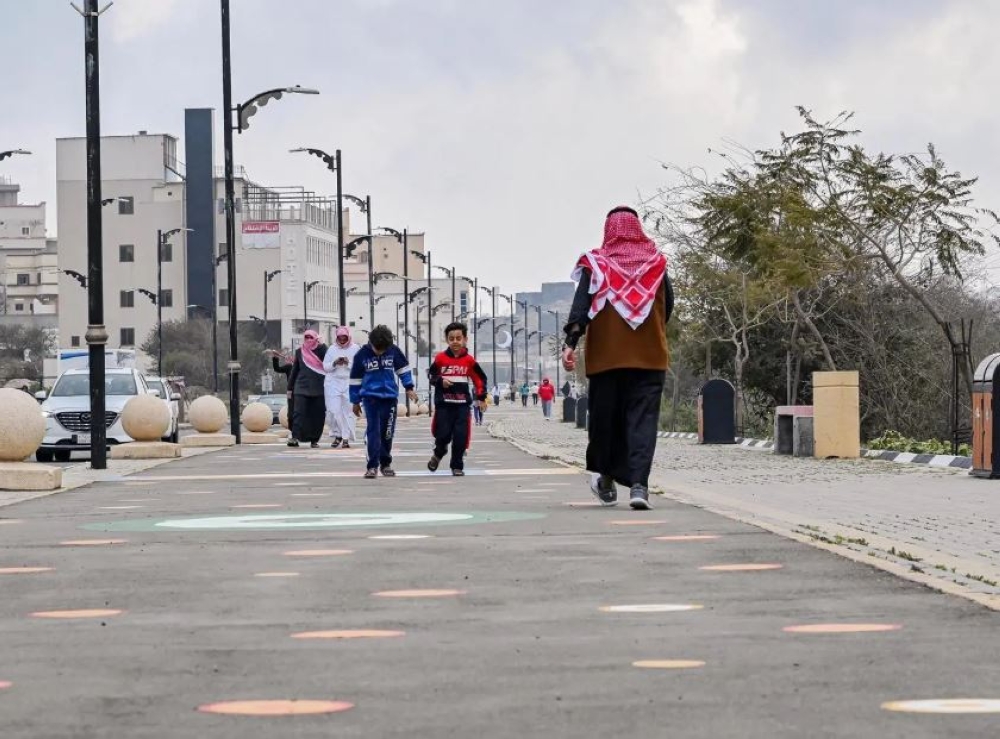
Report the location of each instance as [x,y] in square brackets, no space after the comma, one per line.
[569,410]
[836,415]
[985,386]
[581,412]
[717,413]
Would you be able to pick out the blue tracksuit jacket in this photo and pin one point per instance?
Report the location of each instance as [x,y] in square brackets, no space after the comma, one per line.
[374,376]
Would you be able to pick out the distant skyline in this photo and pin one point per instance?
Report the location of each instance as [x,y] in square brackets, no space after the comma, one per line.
[505,131]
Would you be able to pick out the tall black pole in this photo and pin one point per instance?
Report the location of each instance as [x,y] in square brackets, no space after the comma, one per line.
[541,367]
[305,309]
[340,242]
[215,325]
[97,334]
[159,302]
[453,295]
[475,316]
[371,263]
[406,302]
[558,329]
[430,328]
[527,377]
[266,280]
[493,294]
[227,132]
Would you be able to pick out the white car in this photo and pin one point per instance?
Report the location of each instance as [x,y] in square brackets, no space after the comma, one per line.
[159,386]
[67,411]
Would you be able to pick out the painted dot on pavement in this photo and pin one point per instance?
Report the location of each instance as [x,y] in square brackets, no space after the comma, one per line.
[276,707]
[687,537]
[349,634]
[584,504]
[945,705]
[4,684]
[318,552]
[196,492]
[7,521]
[669,664]
[653,608]
[92,542]
[427,593]
[259,505]
[741,568]
[276,574]
[290,484]
[83,613]
[23,570]
[643,522]
[401,537]
[120,507]
[841,628]
[310,495]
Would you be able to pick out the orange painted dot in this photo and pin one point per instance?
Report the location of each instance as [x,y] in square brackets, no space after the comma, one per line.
[318,552]
[23,570]
[841,628]
[276,574]
[258,505]
[945,705]
[276,707]
[687,537]
[741,568]
[92,542]
[428,593]
[669,664]
[85,613]
[648,522]
[348,634]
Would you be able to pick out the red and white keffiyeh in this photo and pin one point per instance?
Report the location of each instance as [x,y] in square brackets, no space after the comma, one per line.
[627,270]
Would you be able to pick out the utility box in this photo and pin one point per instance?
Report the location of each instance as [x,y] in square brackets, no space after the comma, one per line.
[836,415]
[985,385]
[581,412]
[569,410]
[717,413]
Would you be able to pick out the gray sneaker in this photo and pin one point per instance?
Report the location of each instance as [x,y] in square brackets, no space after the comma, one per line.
[639,499]
[603,488]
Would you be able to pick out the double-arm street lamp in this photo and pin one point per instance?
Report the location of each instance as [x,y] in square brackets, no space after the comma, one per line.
[268,276]
[349,250]
[510,303]
[243,113]
[558,330]
[162,240]
[473,309]
[12,152]
[492,292]
[451,273]
[403,238]
[335,164]
[524,306]
[366,207]
[306,289]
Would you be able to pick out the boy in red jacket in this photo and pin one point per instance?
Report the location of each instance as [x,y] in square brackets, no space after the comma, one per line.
[547,393]
[458,382]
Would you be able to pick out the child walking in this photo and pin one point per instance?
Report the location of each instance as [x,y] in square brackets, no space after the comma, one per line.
[459,382]
[375,387]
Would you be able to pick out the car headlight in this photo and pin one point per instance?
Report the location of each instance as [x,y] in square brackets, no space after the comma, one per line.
[48,414]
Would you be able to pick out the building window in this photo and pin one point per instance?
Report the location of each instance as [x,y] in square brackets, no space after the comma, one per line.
[166,252]
[126,252]
[127,299]
[23,279]
[126,206]
[167,298]
[222,249]
[74,341]
[223,297]
[463,302]
[18,307]
[25,230]
[127,337]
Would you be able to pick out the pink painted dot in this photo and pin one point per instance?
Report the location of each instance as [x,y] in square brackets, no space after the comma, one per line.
[4,684]
[637,522]
[741,568]
[841,628]
[426,593]
[318,552]
[276,707]
[82,613]
[687,537]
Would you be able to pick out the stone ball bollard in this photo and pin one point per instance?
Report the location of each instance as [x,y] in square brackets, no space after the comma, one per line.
[423,410]
[283,417]
[208,414]
[401,411]
[22,426]
[146,418]
[257,417]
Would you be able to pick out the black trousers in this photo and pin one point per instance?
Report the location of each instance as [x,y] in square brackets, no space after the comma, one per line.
[310,415]
[451,425]
[624,408]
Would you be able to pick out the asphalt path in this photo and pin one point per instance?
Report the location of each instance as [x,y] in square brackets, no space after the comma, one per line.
[266,580]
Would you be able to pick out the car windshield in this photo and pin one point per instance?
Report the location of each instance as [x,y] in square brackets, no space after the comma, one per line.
[75,385]
[158,386]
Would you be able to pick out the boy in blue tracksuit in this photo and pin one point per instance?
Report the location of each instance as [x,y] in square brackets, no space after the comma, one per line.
[374,386]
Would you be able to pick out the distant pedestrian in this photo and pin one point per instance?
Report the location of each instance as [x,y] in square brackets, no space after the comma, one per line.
[525,392]
[337,365]
[567,389]
[284,367]
[547,393]
[375,387]
[496,395]
[534,394]
[459,382]
[623,302]
[307,379]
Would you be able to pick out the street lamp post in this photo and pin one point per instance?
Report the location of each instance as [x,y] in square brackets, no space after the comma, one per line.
[510,303]
[474,284]
[243,114]
[451,273]
[524,306]
[268,276]
[558,329]
[403,239]
[11,152]
[162,238]
[214,312]
[306,289]
[541,366]
[366,208]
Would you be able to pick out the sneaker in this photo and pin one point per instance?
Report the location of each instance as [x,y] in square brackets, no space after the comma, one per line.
[603,488]
[371,474]
[388,472]
[292,442]
[639,499]
[458,473]
[314,445]
[432,465]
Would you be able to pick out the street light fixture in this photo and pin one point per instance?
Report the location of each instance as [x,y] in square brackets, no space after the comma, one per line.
[366,207]
[306,289]
[162,239]
[451,274]
[82,279]
[510,303]
[268,276]
[558,329]
[335,164]
[403,238]
[11,152]
[243,113]
[474,283]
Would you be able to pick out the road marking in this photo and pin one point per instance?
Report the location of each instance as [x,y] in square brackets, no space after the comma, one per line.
[119,507]
[669,664]
[276,574]
[687,537]
[349,634]
[23,570]
[653,608]
[92,542]
[259,505]
[331,474]
[318,552]
[401,537]
[741,568]
[4,684]
[945,705]
[841,628]
[637,522]
[310,495]
[84,613]
[7,521]
[427,593]
[276,707]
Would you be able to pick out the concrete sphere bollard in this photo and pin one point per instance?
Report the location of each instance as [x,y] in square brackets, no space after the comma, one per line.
[146,418]
[401,411]
[22,426]
[423,410]
[283,417]
[208,414]
[257,417]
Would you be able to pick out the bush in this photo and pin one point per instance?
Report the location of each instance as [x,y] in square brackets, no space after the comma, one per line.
[894,441]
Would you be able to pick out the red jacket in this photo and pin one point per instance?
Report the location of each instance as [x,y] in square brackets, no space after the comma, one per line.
[547,391]
[468,381]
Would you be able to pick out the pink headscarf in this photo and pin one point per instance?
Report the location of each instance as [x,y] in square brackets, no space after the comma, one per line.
[310,341]
[342,332]
[627,270]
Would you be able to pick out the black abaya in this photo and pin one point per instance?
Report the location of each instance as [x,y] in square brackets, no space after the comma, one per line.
[310,415]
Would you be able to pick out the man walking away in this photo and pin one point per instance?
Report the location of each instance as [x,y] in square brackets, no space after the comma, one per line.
[547,394]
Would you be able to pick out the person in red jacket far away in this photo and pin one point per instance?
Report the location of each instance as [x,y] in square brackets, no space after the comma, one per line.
[547,394]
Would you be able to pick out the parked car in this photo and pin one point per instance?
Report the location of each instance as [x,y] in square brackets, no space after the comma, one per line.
[159,386]
[275,403]
[67,411]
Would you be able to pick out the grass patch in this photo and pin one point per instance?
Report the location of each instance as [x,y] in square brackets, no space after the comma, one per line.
[984,580]
[904,555]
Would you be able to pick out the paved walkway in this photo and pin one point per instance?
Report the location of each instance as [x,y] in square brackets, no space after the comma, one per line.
[260,580]
[937,525]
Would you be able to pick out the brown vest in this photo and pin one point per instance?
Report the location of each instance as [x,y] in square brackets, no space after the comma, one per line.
[612,344]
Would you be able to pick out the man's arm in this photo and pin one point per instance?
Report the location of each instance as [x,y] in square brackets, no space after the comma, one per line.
[294,373]
[479,379]
[578,319]
[403,370]
[357,378]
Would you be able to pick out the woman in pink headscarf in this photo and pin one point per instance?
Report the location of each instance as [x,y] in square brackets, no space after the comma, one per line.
[337,364]
[622,304]
[306,380]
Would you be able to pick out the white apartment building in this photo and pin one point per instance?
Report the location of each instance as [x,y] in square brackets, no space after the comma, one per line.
[28,270]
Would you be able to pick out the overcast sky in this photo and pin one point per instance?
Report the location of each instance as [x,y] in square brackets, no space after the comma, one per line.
[506,130]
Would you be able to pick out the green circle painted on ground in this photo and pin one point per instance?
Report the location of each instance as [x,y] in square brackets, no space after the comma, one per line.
[311,521]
